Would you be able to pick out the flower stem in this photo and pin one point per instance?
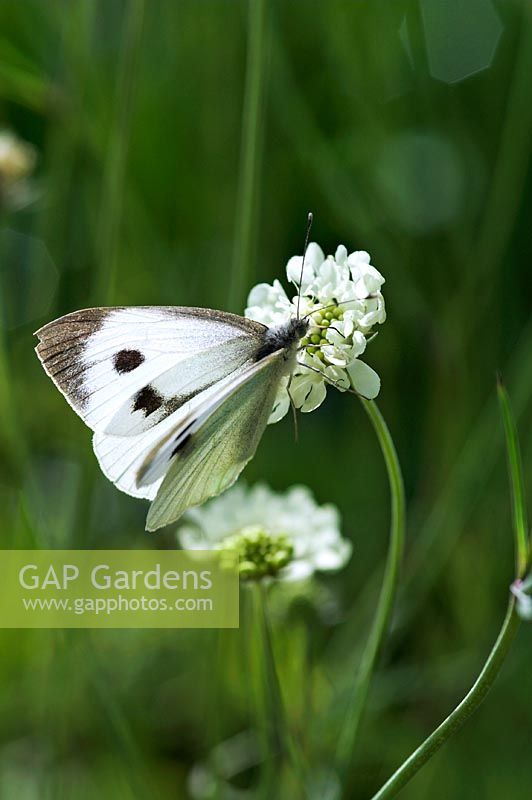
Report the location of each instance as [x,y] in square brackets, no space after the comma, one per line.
[517,483]
[461,713]
[250,151]
[279,734]
[115,167]
[388,589]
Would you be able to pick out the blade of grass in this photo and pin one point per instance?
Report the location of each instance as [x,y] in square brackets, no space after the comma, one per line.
[275,718]
[114,176]
[517,487]
[387,593]
[250,153]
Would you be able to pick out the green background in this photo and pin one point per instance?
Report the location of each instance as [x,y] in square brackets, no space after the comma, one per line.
[406,128]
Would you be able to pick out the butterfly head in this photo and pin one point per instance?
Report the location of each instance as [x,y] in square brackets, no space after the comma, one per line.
[283,337]
[296,329]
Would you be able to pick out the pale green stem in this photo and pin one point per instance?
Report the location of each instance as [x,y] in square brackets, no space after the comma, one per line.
[252,613]
[114,711]
[517,484]
[111,207]
[388,590]
[461,713]
[12,437]
[250,151]
[280,736]
[114,177]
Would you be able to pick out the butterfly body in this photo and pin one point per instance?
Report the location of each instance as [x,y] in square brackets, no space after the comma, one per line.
[178,398]
[284,337]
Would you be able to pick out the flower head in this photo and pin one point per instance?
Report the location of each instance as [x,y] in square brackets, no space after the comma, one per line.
[341,296]
[276,535]
[522,591]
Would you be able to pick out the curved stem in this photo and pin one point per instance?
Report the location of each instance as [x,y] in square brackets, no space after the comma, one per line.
[388,589]
[461,713]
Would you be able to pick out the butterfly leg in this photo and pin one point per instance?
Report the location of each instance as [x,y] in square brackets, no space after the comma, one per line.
[294,410]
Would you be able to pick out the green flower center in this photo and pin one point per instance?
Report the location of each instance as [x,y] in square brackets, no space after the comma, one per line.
[316,335]
[260,553]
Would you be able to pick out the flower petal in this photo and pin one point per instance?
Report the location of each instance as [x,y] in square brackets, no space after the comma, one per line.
[315,397]
[314,256]
[333,557]
[364,380]
[280,406]
[341,254]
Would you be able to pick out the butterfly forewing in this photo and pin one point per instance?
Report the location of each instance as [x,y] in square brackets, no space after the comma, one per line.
[116,363]
[122,458]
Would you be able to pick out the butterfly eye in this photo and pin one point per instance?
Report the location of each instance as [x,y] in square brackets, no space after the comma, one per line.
[127,360]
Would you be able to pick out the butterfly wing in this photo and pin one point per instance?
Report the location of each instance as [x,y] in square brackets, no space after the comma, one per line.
[122,458]
[132,374]
[125,370]
[207,453]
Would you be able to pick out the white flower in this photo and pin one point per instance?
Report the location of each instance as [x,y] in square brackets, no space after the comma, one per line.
[17,161]
[286,535]
[522,592]
[342,297]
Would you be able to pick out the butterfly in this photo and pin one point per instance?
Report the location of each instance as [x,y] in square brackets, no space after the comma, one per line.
[178,398]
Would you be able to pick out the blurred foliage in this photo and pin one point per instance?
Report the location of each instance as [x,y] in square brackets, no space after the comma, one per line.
[406,127]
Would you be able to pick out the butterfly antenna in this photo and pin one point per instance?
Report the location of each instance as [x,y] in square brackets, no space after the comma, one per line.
[310,219]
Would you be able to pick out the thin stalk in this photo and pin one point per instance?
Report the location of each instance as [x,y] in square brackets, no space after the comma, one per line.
[12,435]
[114,177]
[114,711]
[111,207]
[517,484]
[250,151]
[280,735]
[461,713]
[261,696]
[388,590]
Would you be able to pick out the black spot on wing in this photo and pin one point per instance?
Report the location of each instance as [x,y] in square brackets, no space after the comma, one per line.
[147,400]
[180,445]
[127,360]
[182,439]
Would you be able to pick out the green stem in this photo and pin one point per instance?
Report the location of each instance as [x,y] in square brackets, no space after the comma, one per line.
[12,436]
[250,150]
[461,713]
[517,483]
[279,734]
[388,589]
[115,167]
[251,616]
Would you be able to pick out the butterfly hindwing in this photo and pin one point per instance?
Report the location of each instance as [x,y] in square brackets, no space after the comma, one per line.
[209,455]
[122,457]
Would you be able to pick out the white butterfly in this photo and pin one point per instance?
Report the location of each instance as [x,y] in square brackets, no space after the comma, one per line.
[178,398]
